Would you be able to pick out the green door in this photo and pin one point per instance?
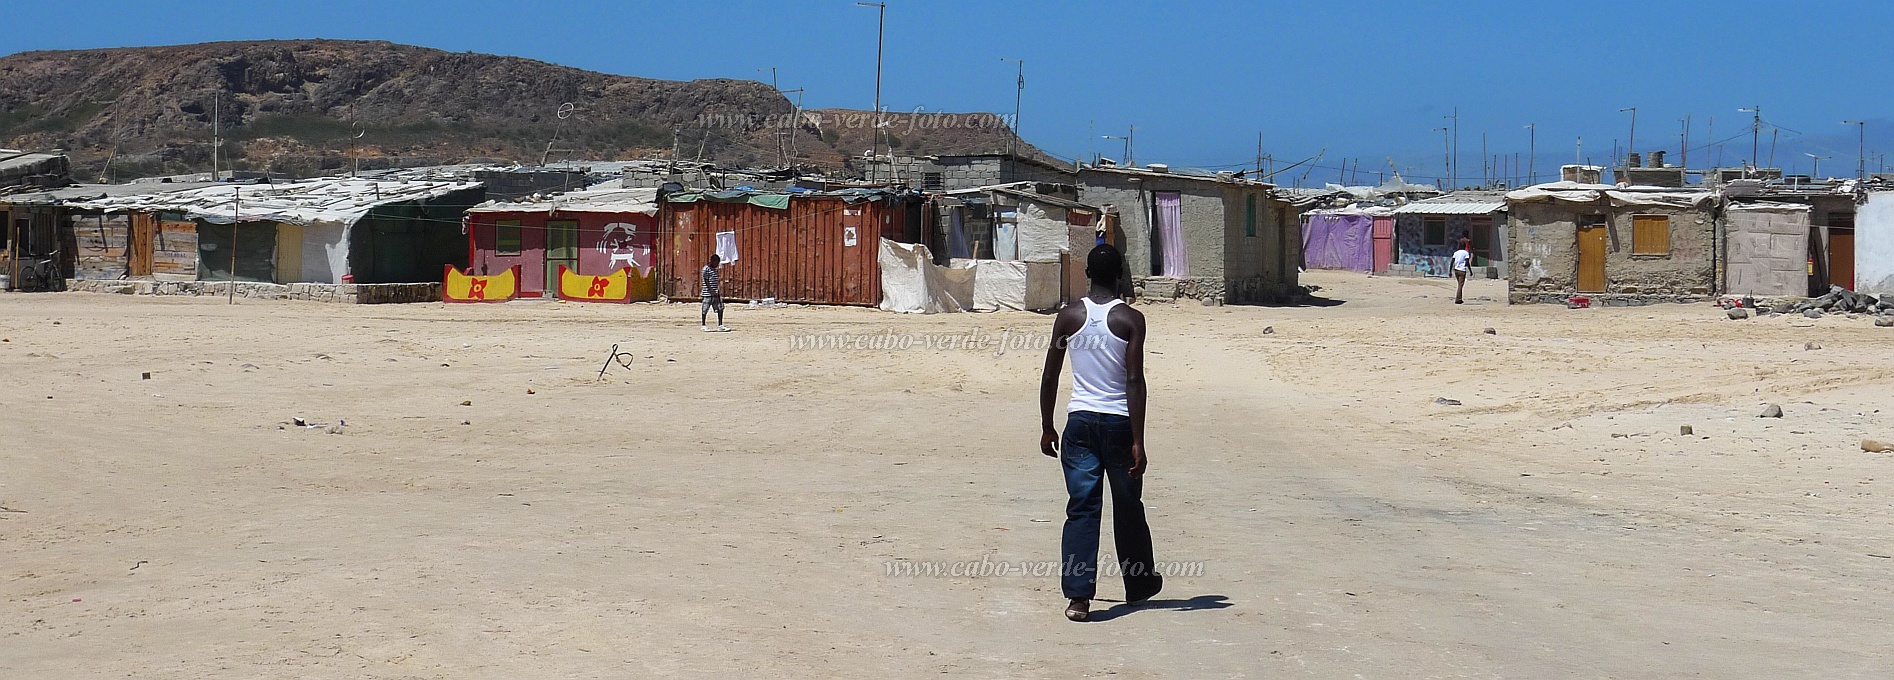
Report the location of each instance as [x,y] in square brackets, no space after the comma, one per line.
[562,248]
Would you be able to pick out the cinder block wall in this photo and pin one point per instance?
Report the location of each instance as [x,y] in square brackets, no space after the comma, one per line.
[1264,267]
[1224,263]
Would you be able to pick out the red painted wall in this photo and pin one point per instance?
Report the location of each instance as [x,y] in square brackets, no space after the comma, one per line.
[596,253]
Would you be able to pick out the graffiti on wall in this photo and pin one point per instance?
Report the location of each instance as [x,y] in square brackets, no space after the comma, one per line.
[624,245]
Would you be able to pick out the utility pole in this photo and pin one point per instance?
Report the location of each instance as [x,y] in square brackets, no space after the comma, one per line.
[1631,144]
[216,132]
[1127,140]
[795,123]
[1486,165]
[236,216]
[881,26]
[1446,153]
[1532,153]
[1816,172]
[1755,136]
[360,130]
[1453,152]
[1685,147]
[1259,155]
[1019,92]
[1861,150]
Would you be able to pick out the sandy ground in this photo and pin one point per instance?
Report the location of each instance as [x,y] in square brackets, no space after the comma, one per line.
[730,503]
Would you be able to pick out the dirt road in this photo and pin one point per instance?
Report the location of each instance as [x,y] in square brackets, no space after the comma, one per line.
[732,503]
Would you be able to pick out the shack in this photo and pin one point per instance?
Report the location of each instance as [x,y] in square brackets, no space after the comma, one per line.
[1427,231]
[1615,245]
[331,231]
[1026,240]
[1790,238]
[591,233]
[48,238]
[1349,238]
[1197,234]
[808,247]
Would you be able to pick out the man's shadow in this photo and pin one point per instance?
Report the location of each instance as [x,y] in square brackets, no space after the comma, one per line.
[1192,604]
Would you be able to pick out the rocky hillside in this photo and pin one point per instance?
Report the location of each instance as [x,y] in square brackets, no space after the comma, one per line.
[296,106]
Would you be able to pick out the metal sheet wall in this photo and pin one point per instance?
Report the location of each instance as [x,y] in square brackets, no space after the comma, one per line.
[802,254]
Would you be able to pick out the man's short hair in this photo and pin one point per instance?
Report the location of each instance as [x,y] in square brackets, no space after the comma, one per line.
[715,259]
[1104,265]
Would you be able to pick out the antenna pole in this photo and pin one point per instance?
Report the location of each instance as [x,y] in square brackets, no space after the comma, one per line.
[236,212]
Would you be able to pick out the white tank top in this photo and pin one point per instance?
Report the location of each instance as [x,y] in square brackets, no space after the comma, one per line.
[1098,364]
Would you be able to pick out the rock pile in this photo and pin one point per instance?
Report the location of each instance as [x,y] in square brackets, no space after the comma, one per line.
[1842,301]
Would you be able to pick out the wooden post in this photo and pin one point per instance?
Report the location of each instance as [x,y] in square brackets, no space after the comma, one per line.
[236,211]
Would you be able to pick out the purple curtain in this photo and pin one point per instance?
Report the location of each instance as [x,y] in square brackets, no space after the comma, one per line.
[1338,241]
[1170,233]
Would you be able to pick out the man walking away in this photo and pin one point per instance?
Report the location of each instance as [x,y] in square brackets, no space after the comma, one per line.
[1462,261]
[713,294]
[1104,435]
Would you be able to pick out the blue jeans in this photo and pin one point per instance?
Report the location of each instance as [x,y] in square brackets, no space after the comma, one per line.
[1097,447]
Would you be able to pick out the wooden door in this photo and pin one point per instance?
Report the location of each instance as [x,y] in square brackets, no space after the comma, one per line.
[562,248]
[1383,242]
[1591,258]
[144,227]
[1841,257]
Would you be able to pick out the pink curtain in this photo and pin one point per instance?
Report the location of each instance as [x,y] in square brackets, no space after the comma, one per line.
[1170,233]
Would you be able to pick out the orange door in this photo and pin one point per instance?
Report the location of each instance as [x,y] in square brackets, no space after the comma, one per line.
[1591,258]
[1841,257]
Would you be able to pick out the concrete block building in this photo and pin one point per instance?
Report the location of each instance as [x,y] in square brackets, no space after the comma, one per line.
[1195,234]
[1616,245]
[968,171]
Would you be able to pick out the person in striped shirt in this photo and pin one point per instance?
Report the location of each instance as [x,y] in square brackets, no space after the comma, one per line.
[712,294]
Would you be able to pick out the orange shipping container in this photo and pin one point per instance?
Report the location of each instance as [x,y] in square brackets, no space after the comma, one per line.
[822,249]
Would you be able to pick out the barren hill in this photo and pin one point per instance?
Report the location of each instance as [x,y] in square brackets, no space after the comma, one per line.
[296,106]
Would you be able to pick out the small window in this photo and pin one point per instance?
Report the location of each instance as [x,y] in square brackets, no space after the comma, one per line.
[1650,235]
[1434,230]
[506,237]
[932,181]
[1249,217]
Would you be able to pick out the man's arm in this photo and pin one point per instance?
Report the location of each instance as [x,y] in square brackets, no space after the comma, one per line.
[1063,326]
[1135,389]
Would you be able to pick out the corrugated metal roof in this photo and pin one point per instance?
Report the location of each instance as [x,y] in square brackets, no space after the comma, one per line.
[644,201]
[1450,208]
[339,200]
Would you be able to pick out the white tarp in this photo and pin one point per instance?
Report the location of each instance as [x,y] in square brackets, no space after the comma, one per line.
[911,282]
[1620,196]
[325,250]
[1042,234]
[997,284]
[593,200]
[1010,284]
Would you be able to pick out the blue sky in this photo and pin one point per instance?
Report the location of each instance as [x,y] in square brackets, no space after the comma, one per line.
[1363,80]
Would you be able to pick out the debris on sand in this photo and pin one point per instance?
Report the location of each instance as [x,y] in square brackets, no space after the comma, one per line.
[1443,401]
[1738,314]
[1875,446]
[1686,431]
[1771,411]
